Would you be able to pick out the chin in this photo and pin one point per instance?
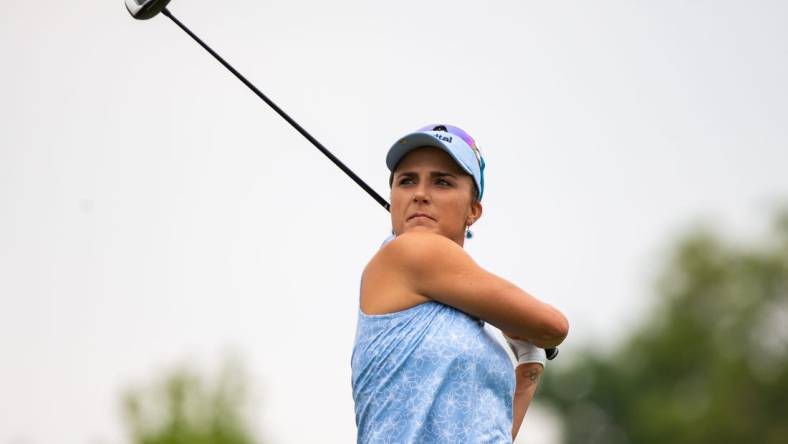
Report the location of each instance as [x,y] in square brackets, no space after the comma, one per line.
[425,228]
[429,229]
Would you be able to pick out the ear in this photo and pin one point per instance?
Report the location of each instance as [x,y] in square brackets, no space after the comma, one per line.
[475,214]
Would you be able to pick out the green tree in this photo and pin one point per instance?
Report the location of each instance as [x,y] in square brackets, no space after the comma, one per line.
[710,365]
[183,408]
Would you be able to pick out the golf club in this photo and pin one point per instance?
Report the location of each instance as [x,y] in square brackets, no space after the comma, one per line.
[146,9]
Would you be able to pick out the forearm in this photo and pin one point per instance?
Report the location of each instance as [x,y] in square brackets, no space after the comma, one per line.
[527,379]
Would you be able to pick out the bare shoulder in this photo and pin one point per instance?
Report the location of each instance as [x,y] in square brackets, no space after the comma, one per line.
[420,251]
[387,281]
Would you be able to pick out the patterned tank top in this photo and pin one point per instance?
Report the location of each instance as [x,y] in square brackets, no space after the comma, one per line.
[430,374]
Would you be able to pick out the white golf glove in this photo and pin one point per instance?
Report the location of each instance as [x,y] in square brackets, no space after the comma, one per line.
[525,352]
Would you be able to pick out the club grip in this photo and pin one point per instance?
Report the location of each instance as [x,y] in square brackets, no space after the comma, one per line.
[551,353]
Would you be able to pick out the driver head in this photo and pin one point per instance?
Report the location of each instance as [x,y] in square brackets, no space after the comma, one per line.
[145,9]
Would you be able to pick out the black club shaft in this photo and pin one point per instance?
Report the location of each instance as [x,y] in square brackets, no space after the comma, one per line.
[551,352]
[284,115]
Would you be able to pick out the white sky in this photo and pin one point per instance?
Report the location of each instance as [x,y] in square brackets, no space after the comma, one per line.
[153,210]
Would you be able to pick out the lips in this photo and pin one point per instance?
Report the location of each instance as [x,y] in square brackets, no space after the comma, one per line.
[415,215]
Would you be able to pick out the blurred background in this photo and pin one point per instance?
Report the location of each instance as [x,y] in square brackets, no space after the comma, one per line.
[178,265]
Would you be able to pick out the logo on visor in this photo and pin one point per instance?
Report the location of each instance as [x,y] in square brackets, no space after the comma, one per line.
[443,138]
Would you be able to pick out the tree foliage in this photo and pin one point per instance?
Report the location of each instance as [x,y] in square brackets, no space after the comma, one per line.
[184,408]
[710,365]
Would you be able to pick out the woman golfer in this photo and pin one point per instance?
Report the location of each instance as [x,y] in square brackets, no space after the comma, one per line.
[424,370]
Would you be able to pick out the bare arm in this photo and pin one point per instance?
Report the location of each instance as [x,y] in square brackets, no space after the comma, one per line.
[527,379]
[437,268]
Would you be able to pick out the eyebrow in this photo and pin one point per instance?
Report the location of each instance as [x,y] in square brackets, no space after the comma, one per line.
[432,173]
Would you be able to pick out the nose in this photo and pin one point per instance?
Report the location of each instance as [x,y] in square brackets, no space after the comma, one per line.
[420,194]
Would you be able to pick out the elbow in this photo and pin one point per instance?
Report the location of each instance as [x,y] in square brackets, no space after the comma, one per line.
[561,329]
[554,331]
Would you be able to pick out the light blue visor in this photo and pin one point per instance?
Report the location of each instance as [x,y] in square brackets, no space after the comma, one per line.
[456,142]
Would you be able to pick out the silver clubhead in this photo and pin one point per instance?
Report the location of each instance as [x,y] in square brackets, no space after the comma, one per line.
[145,9]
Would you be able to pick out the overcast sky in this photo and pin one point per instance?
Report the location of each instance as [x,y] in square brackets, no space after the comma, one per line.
[152,210]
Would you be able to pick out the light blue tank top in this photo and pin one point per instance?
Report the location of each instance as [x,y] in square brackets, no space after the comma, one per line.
[430,374]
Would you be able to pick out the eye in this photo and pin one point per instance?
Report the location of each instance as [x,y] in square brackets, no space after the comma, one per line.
[443,182]
[405,180]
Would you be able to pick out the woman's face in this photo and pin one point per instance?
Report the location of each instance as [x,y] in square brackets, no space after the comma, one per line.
[430,192]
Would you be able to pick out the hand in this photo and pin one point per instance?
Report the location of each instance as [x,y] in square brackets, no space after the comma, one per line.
[524,351]
[550,352]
